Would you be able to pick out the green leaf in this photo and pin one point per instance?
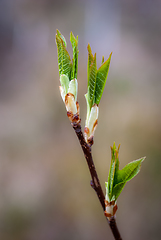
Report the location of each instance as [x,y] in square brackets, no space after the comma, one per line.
[62,37]
[92,81]
[90,60]
[74,42]
[58,42]
[125,175]
[111,176]
[101,79]
[129,171]
[118,178]
[64,62]
[118,189]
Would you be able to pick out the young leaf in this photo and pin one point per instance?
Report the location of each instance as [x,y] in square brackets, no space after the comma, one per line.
[129,171]
[125,175]
[111,176]
[64,62]
[101,79]
[118,189]
[92,81]
[90,60]
[74,42]
[62,37]
[118,178]
[58,43]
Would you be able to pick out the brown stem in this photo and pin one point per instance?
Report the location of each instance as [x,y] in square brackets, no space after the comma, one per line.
[95,183]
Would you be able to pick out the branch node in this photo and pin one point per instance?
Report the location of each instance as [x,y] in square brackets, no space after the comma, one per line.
[92,184]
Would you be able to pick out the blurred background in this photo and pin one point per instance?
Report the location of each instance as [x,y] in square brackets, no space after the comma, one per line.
[45,191]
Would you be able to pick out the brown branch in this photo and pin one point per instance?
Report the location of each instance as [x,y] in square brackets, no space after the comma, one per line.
[95,183]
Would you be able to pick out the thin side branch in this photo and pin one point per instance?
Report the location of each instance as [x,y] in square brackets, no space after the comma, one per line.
[95,183]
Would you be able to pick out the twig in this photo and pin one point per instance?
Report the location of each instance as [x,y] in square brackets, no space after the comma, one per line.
[95,183]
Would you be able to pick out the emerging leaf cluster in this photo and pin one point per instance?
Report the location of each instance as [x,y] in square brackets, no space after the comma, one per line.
[66,66]
[118,178]
[96,78]
[96,82]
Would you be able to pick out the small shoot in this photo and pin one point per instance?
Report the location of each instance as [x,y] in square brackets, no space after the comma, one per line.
[96,83]
[117,179]
[68,75]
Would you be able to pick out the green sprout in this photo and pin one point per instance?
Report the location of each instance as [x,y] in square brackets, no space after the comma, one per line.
[96,80]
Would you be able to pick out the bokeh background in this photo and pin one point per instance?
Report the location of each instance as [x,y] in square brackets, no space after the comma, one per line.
[45,191]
